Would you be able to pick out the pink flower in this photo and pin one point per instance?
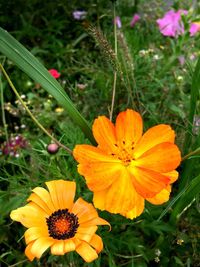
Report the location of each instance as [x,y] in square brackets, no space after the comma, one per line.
[194,28]
[135,19]
[171,24]
[13,145]
[54,73]
[118,22]
[181,60]
[79,15]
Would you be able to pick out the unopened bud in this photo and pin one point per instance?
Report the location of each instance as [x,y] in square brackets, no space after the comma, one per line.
[52,148]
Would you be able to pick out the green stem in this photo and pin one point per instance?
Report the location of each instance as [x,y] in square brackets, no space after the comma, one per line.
[30,114]
[192,153]
[115,73]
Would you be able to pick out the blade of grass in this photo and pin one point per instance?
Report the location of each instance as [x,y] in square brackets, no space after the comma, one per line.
[17,53]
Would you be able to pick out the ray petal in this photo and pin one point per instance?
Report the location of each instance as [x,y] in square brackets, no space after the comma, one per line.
[69,245]
[161,197]
[86,252]
[28,253]
[96,243]
[34,233]
[58,248]
[40,245]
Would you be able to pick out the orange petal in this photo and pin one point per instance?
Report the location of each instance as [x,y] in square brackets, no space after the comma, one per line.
[164,157]
[136,211]
[34,233]
[96,243]
[148,183]
[44,195]
[58,248]
[173,176]
[100,176]
[129,127]
[29,216]
[86,233]
[90,154]
[40,245]
[62,193]
[28,253]
[86,252]
[99,199]
[96,221]
[104,133]
[84,210]
[120,195]
[40,202]
[156,135]
[161,197]
[69,245]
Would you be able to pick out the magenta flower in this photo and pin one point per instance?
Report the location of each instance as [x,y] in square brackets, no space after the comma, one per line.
[134,20]
[118,22]
[171,24]
[54,73]
[194,28]
[79,15]
[13,146]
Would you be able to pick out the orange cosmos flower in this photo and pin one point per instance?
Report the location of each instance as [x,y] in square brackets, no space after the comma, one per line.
[127,168]
[54,221]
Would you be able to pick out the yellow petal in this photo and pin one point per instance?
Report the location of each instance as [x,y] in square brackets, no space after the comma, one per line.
[100,176]
[28,253]
[148,183]
[120,195]
[40,202]
[156,135]
[85,233]
[136,211]
[173,176]
[104,133]
[34,233]
[161,197]
[29,216]
[45,197]
[58,248]
[129,127]
[163,158]
[69,245]
[96,243]
[40,245]
[95,221]
[99,199]
[86,252]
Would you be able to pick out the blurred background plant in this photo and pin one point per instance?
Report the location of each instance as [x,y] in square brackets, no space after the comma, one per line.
[155,77]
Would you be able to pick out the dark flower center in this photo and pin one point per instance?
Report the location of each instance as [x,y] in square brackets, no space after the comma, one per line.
[62,224]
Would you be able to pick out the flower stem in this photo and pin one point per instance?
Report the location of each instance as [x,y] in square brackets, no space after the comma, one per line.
[192,153]
[30,114]
[115,73]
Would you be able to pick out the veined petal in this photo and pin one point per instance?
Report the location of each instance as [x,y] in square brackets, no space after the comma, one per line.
[96,243]
[120,195]
[163,158]
[28,253]
[100,175]
[129,127]
[161,197]
[29,216]
[69,245]
[89,154]
[40,245]
[158,134]
[86,252]
[84,210]
[58,248]
[137,210]
[45,197]
[40,202]
[34,233]
[148,183]
[104,133]
[86,233]
[62,193]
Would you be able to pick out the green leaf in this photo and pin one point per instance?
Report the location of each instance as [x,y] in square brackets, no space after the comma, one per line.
[17,53]
[186,199]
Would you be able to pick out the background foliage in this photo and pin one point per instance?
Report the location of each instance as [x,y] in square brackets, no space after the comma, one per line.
[153,82]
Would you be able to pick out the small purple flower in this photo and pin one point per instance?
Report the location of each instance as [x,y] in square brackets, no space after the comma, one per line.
[134,20]
[79,15]
[171,24]
[118,22]
[13,145]
[194,28]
